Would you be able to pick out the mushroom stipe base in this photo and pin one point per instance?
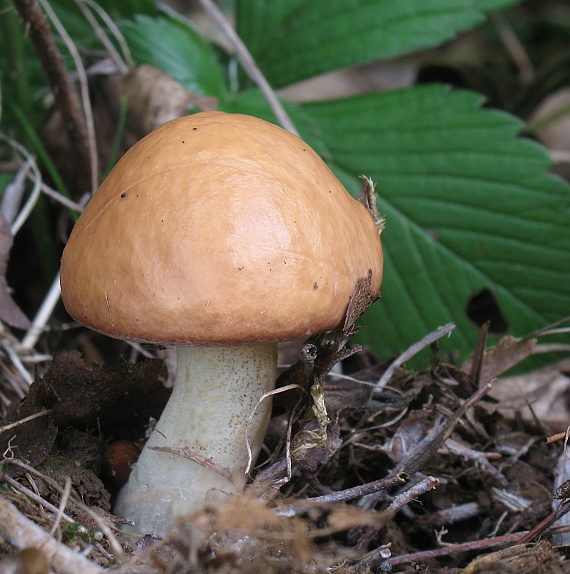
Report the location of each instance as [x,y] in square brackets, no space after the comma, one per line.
[209,414]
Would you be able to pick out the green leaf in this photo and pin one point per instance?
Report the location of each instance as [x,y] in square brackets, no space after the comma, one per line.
[488,5]
[128,8]
[468,206]
[253,103]
[172,44]
[295,39]
[81,30]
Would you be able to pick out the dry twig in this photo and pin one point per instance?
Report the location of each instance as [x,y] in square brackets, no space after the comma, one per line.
[60,82]
[21,532]
[101,523]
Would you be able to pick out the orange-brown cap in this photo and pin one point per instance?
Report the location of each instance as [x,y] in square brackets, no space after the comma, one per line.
[218,229]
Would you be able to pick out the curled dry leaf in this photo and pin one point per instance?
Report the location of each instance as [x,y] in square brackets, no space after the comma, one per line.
[410,432]
[508,352]
[311,447]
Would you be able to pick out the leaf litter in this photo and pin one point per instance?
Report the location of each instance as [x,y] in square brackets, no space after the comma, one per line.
[356,477]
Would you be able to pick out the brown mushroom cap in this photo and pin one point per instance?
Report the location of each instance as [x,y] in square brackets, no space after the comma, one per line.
[218,229]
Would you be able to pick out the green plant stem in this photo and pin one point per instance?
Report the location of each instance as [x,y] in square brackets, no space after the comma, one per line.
[119,133]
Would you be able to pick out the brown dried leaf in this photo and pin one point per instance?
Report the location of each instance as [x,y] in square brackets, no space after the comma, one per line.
[346,394]
[537,395]
[310,450]
[155,97]
[361,299]
[331,347]
[521,558]
[10,313]
[410,433]
[508,352]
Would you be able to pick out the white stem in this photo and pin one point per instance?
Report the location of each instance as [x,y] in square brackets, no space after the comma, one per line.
[216,391]
[42,316]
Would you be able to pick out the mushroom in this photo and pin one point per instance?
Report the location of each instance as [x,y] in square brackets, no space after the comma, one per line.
[220,234]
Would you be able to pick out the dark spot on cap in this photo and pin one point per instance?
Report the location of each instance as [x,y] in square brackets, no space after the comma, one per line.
[123,195]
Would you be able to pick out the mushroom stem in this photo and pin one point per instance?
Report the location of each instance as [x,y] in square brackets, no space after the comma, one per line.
[209,413]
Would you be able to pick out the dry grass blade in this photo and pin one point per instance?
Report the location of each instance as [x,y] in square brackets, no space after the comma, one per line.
[249,65]
[102,524]
[414,350]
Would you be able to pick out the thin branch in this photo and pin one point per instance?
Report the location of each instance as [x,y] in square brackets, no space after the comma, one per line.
[19,219]
[514,46]
[562,509]
[121,65]
[84,92]
[25,375]
[425,485]
[475,545]
[36,498]
[21,532]
[454,549]
[426,448]
[99,520]
[24,420]
[371,488]
[414,350]
[42,316]
[358,491]
[60,82]
[62,505]
[56,196]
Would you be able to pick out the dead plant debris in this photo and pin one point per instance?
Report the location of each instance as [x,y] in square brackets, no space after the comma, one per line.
[421,474]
